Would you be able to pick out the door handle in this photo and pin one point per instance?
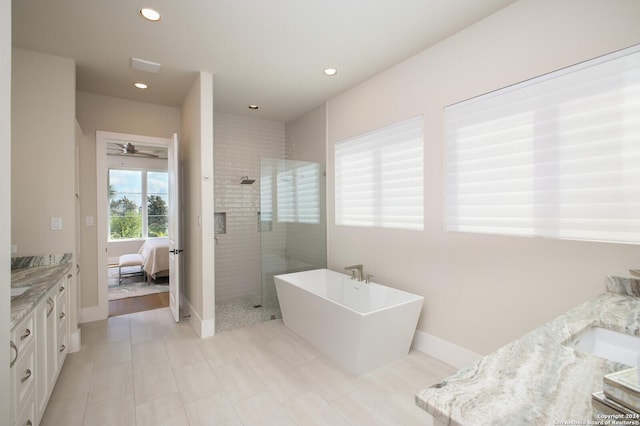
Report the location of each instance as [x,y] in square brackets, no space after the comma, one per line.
[15,348]
[26,377]
[176,251]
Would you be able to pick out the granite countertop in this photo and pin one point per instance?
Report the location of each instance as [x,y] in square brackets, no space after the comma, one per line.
[536,379]
[40,279]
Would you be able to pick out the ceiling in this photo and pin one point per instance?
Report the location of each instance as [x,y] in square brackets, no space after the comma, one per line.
[269,53]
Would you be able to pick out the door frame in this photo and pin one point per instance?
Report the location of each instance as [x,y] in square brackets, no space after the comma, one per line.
[102,138]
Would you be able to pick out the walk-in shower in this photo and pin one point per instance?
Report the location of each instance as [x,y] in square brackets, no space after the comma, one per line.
[273,226]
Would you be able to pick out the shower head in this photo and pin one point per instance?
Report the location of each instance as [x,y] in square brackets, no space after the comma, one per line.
[246,181]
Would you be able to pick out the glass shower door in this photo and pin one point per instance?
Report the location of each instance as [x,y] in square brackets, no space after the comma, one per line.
[292,223]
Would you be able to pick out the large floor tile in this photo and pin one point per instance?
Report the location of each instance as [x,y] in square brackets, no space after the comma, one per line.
[215,410]
[111,382]
[153,382]
[87,353]
[119,411]
[113,353]
[196,381]
[149,353]
[311,409]
[110,330]
[283,382]
[362,411]
[165,411]
[328,380]
[239,380]
[291,350]
[219,350]
[253,346]
[263,409]
[144,330]
[183,352]
[74,380]
[65,410]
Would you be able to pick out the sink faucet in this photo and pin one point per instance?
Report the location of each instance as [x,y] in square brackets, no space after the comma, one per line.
[355,269]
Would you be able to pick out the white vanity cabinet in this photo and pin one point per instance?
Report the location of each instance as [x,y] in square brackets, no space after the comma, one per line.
[39,344]
[22,371]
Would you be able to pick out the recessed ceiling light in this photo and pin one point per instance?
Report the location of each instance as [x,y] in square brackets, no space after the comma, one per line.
[150,14]
[253,107]
[330,71]
[140,85]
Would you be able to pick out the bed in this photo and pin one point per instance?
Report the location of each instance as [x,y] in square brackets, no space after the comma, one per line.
[155,252]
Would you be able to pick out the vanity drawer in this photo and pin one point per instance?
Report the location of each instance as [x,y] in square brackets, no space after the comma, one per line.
[24,377]
[62,311]
[63,287]
[24,334]
[63,343]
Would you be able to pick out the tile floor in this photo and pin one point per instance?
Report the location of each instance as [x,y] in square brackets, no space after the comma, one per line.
[143,369]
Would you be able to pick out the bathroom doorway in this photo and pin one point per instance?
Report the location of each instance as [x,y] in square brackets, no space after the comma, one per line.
[132,220]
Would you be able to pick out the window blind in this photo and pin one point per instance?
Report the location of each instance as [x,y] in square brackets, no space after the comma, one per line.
[299,193]
[556,156]
[379,177]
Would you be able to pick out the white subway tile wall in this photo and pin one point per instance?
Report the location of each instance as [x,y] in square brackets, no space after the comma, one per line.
[239,144]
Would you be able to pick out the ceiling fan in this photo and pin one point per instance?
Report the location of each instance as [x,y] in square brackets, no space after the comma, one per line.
[129,149]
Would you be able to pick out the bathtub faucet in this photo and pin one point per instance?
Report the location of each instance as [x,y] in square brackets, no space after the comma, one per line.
[355,269]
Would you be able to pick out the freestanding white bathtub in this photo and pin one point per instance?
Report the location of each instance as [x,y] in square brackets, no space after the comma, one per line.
[361,326]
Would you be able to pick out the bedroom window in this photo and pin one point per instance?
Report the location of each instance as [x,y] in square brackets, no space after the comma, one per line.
[557,156]
[138,204]
[379,178]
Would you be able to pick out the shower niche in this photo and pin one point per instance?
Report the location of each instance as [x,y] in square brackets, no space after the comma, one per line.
[220,223]
[291,222]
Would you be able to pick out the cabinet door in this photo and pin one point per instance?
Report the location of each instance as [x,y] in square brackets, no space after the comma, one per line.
[28,415]
[62,313]
[52,344]
[42,312]
[23,366]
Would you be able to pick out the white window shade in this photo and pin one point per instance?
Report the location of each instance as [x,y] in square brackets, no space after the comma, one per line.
[379,178]
[299,193]
[557,156]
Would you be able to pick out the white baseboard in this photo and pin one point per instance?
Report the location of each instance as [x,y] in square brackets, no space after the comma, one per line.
[94,313]
[74,345]
[446,352]
[204,328]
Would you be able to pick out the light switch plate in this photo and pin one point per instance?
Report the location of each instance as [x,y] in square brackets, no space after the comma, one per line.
[56,223]
[14,249]
[89,220]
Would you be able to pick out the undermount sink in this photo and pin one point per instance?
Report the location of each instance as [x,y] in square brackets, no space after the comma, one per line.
[607,344]
[15,292]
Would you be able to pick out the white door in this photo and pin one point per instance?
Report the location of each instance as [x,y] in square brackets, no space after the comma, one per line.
[174,228]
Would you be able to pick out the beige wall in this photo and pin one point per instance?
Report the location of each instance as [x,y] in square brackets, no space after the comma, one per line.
[197,174]
[480,291]
[5,196]
[42,153]
[96,112]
